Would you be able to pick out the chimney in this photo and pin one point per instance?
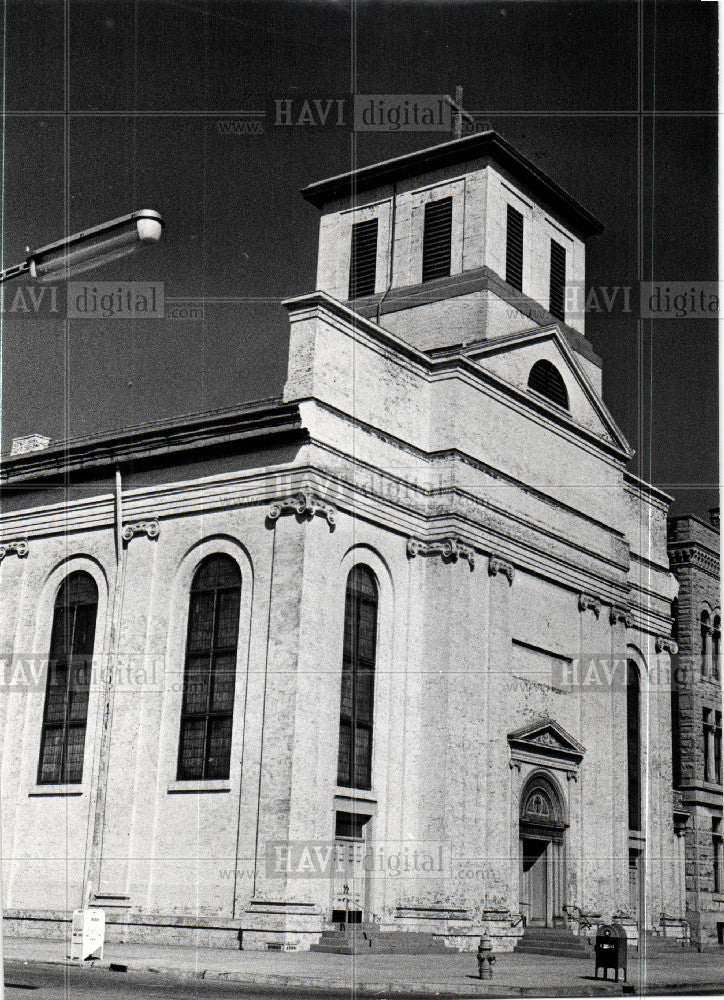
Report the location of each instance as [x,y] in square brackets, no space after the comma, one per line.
[30,442]
[714,517]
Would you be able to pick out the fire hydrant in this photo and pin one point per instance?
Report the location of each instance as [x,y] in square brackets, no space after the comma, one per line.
[485,958]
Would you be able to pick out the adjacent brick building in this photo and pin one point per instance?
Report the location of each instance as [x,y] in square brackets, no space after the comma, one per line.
[415,609]
[697,712]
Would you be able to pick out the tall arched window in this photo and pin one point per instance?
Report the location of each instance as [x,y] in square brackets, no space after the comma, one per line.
[66,693]
[210,670]
[705,630]
[547,380]
[715,646]
[354,768]
[633,727]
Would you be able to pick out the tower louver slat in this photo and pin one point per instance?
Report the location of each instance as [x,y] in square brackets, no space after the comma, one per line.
[437,239]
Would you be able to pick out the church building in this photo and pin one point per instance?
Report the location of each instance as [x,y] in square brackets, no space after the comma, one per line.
[392,648]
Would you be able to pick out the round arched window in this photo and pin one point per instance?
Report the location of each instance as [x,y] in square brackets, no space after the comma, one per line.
[547,380]
[541,804]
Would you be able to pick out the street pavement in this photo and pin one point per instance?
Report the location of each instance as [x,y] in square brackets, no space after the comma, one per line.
[222,972]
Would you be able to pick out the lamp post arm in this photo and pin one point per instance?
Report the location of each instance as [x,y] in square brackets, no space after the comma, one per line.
[14,272]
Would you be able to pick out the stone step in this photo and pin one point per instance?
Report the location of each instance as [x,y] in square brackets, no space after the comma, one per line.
[558,941]
[358,941]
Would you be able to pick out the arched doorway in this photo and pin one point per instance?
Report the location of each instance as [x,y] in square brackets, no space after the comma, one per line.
[542,851]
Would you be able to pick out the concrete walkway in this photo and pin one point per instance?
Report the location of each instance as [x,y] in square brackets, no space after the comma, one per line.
[454,974]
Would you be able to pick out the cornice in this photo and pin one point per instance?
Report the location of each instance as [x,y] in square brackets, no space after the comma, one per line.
[487,146]
[196,431]
[321,305]
[255,489]
[443,454]
[692,554]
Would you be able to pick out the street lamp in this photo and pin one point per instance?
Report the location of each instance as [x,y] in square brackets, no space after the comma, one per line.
[89,248]
[62,259]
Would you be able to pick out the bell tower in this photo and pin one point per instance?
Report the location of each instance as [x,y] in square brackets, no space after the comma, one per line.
[462,242]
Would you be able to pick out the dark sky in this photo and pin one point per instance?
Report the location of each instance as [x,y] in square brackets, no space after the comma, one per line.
[116,106]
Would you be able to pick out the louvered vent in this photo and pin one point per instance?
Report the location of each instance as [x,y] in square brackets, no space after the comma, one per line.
[363,261]
[514,249]
[436,239]
[558,281]
[546,379]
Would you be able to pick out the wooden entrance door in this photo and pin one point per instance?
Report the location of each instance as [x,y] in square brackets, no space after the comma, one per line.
[535,879]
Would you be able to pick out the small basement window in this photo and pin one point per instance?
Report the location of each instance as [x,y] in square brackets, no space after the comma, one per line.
[547,380]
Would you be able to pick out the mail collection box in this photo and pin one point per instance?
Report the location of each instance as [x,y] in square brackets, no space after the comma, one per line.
[611,950]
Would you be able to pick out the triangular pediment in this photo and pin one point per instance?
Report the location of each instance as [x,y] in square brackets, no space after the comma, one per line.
[546,738]
[511,358]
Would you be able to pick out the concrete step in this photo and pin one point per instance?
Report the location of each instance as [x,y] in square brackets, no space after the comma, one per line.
[558,941]
[357,940]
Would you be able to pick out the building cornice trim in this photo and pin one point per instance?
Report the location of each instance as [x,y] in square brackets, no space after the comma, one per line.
[268,418]
[319,304]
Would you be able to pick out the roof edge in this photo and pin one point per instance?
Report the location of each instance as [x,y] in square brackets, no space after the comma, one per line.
[453,151]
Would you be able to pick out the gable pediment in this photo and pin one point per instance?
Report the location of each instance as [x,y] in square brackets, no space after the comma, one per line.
[546,742]
[511,359]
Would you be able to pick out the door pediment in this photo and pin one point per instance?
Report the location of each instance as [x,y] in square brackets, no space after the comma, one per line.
[546,743]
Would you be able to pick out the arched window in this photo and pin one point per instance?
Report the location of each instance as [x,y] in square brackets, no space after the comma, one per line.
[210,670]
[547,380]
[354,767]
[633,726]
[66,694]
[705,630]
[540,804]
[715,644]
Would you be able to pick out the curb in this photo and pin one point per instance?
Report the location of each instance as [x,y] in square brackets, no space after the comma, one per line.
[467,989]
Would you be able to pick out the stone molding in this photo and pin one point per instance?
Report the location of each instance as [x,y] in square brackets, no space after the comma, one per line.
[665,644]
[696,556]
[620,614]
[545,743]
[18,545]
[587,602]
[497,565]
[150,528]
[304,505]
[450,549]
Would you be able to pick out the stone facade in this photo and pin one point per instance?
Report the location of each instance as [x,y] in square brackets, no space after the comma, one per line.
[697,708]
[518,568]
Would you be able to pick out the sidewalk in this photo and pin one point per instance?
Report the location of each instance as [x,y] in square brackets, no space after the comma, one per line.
[514,975]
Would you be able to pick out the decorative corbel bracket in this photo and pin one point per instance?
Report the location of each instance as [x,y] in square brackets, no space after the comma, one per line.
[450,549]
[620,614]
[19,546]
[304,505]
[587,602]
[572,776]
[150,528]
[514,764]
[497,565]
[665,644]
